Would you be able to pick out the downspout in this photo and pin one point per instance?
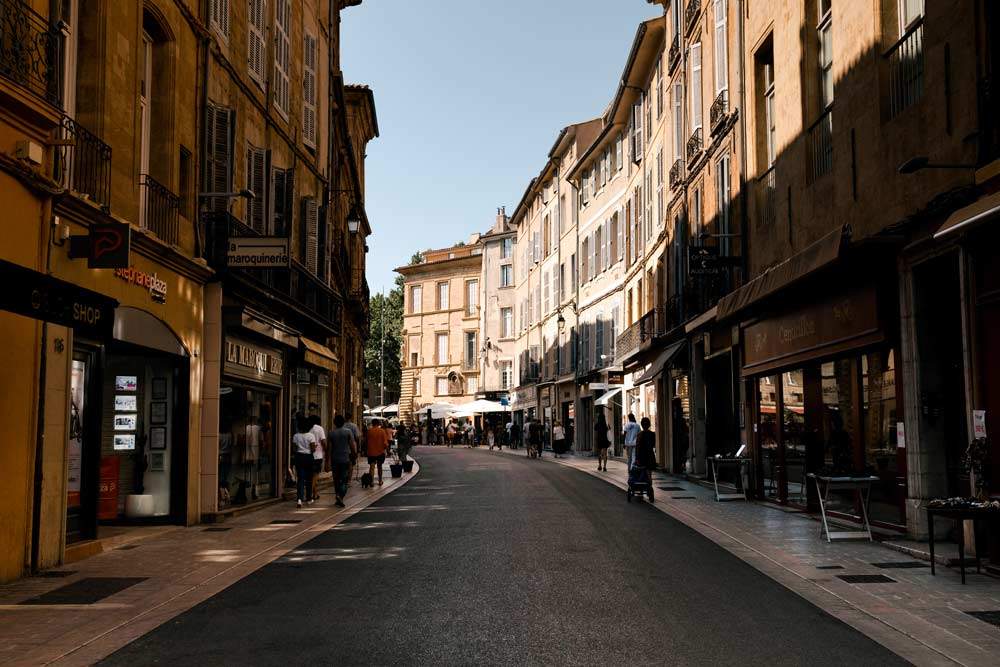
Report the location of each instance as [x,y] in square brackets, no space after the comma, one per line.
[744,209]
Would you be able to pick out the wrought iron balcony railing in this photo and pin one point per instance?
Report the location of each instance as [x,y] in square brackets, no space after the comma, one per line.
[694,145]
[673,54]
[905,59]
[677,173]
[83,163]
[30,51]
[159,209]
[820,142]
[766,199]
[691,14]
[629,340]
[719,111]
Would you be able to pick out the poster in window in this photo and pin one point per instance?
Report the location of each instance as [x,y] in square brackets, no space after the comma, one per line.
[158,437]
[125,422]
[159,389]
[126,383]
[156,461]
[124,443]
[126,403]
[158,412]
[75,451]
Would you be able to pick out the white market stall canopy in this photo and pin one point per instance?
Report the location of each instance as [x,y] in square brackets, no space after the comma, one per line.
[481,406]
[391,409]
[438,410]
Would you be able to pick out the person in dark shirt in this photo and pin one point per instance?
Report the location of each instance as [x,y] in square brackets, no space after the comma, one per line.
[645,447]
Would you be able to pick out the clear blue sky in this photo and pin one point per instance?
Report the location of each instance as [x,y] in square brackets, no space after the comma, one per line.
[470,96]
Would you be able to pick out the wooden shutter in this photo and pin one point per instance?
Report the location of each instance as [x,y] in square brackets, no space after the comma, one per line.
[282,26]
[310,229]
[309,91]
[256,47]
[219,12]
[256,175]
[621,233]
[218,154]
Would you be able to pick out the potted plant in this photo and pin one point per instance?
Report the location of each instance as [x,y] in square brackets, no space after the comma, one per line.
[396,467]
[977,458]
[402,451]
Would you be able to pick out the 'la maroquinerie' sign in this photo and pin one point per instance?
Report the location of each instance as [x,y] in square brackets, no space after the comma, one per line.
[252,361]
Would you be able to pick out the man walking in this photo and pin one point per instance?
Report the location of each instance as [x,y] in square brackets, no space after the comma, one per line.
[378,443]
[343,450]
[320,434]
[631,435]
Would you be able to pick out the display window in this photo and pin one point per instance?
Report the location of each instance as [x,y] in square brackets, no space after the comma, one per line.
[247,452]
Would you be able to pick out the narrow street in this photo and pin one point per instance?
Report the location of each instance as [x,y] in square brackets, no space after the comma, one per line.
[502,560]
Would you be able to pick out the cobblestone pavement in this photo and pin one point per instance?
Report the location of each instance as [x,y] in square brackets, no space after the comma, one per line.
[172,571]
[926,619]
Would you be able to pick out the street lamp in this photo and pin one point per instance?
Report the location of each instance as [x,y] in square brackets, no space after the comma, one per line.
[353,221]
[561,320]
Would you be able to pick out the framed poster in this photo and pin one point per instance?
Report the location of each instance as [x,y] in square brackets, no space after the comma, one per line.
[126,383]
[126,403]
[158,437]
[159,389]
[124,442]
[125,422]
[156,461]
[158,412]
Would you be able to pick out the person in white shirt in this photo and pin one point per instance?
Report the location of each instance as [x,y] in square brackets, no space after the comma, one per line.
[303,444]
[631,438]
[320,435]
[558,439]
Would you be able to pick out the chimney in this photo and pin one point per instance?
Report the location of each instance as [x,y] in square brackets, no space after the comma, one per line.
[501,223]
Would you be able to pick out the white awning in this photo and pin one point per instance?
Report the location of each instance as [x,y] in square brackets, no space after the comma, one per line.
[606,397]
[481,406]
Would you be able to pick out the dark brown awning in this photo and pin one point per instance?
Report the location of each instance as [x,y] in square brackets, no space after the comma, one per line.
[813,257]
[979,211]
[660,363]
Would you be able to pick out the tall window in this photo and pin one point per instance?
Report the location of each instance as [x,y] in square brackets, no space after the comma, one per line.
[309,56]
[218,155]
[678,104]
[416,298]
[506,374]
[256,182]
[145,111]
[909,12]
[659,86]
[470,349]
[696,106]
[824,32]
[696,212]
[441,348]
[770,128]
[414,347]
[721,47]
[442,296]
[219,16]
[546,236]
[722,197]
[416,386]
[637,139]
[506,322]
[659,186]
[506,275]
[282,49]
[507,248]
[614,237]
[618,153]
[441,388]
[471,297]
[546,302]
[574,272]
[472,385]
[597,253]
[562,282]
[256,46]
[585,260]
[280,197]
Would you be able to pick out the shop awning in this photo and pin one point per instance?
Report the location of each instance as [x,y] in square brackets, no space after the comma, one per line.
[660,363]
[810,259]
[481,406]
[979,211]
[606,397]
[318,354]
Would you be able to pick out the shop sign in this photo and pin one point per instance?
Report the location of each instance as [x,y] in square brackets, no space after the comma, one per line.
[525,396]
[979,423]
[616,377]
[105,245]
[824,328]
[43,297]
[264,252]
[157,286]
[252,361]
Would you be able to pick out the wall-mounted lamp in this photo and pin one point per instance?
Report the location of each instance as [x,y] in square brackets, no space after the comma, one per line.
[915,164]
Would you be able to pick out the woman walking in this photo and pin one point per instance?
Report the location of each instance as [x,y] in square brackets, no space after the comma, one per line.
[558,439]
[303,445]
[601,442]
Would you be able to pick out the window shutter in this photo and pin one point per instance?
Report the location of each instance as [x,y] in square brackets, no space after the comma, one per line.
[281,55]
[721,55]
[310,228]
[256,173]
[218,154]
[621,233]
[219,13]
[255,42]
[309,91]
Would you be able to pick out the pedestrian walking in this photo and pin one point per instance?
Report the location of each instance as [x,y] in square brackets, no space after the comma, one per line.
[631,434]
[303,444]
[378,443]
[343,453]
[515,435]
[452,432]
[645,449]
[601,441]
[558,439]
[491,438]
[535,439]
[319,433]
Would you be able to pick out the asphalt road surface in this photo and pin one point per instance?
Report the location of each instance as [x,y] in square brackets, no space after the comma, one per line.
[486,559]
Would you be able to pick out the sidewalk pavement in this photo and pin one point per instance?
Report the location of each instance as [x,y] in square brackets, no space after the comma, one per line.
[80,613]
[929,620]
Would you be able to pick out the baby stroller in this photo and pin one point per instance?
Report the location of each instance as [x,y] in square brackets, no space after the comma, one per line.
[639,482]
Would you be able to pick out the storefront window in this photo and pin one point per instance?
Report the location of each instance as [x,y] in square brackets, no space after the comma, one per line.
[246,445]
[311,396]
[767,436]
[879,418]
[794,435]
[837,434]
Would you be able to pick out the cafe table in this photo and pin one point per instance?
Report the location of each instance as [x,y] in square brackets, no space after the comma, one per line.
[960,514]
[860,485]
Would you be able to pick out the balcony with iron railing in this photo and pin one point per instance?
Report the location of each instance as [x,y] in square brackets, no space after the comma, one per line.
[83,163]
[294,285]
[766,199]
[905,62]
[673,54]
[820,146]
[719,111]
[676,173]
[695,145]
[30,51]
[691,12]
[160,209]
